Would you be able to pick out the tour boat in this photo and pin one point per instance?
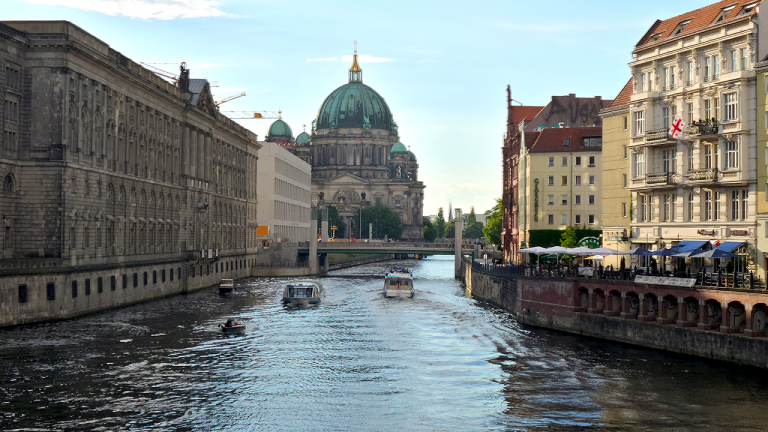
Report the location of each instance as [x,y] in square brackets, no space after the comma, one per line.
[398,283]
[302,292]
[226,286]
[238,327]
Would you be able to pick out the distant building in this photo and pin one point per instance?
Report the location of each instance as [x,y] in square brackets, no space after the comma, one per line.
[285,193]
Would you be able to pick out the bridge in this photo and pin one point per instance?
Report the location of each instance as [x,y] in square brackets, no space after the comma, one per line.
[410,248]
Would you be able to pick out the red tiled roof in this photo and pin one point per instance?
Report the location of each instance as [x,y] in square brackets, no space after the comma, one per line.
[530,138]
[524,113]
[624,96]
[701,19]
[551,139]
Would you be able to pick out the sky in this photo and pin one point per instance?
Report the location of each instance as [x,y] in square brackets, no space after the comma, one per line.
[442,66]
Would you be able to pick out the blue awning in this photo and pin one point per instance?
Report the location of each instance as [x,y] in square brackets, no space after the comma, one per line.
[729,246]
[689,245]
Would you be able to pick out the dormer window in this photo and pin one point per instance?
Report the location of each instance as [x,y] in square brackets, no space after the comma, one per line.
[680,27]
[655,37]
[723,14]
[566,142]
[748,9]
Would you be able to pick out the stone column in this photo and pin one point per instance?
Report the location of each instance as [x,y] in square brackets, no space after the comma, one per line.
[724,322]
[193,153]
[703,316]
[207,158]
[185,150]
[661,313]
[200,169]
[681,312]
[625,312]
[370,231]
[457,250]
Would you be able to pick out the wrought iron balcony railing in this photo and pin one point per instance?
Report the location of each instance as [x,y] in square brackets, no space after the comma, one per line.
[660,178]
[705,127]
[656,135]
[703,174]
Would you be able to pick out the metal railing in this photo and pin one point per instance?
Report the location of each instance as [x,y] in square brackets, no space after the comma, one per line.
[700,174]
[656,134]
[661,178]
[705,127]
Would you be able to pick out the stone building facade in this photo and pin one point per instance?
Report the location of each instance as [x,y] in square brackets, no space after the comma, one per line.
[357,158]
[118,185]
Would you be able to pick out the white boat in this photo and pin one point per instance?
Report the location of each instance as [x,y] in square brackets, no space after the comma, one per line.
[226,286]
[302,292]
[398,283]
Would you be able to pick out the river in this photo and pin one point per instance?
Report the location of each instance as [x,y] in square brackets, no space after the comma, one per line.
[356,362]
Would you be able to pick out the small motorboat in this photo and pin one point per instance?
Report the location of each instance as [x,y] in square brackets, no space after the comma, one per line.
[226,286]
[232,326]
[398,283]
[303,292]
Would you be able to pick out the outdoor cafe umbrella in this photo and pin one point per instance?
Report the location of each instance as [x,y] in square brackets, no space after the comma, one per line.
[714,253]
[605,251]
[636,251]
[582,251]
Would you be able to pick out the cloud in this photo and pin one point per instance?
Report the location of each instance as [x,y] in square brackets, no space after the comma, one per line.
[364,58]
[144,9]
[207,65]
[323,59]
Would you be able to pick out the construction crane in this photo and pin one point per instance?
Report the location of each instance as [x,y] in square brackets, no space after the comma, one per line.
[245,115]
[163,73]
[229,98]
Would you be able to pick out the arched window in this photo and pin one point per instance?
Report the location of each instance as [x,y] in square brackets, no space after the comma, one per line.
[8,184]
[110,192]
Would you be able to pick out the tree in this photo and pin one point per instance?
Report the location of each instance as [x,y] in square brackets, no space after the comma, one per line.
[450,229]
[334,219]
[471,218]
[440,224]
[568,238]
[494,218]
[429,231]
[385,222]
[474,230]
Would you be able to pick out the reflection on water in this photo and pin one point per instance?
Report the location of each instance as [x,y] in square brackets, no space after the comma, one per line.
[355,362]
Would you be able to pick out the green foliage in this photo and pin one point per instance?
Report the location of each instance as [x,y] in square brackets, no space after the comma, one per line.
[473,231]
[495,218]
[471,218]
[568,238]
[440,224]
[429,231]
[335,220]
[450,229]
[385,222]
[549,238]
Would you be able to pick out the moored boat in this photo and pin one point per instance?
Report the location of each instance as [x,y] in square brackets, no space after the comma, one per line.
[302,292]
[226,286]
[398,283]
[232,327]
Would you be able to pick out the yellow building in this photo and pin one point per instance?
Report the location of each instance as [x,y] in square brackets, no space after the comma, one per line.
[761,72]
[616,214]
[563,179]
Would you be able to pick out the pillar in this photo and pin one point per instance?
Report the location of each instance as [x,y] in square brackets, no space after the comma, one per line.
[324,224]
[207,158]
[703,316]
[457,248]
[200,155]
[682,319]
[370,231]
[185,149]
[625,313]
[661,313]
[724,321]
[313,261]
[643,313]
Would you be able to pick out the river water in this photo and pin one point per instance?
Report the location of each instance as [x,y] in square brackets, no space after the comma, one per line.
[356,362]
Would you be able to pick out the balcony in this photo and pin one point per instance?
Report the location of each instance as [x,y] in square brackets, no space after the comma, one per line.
[705,128]
[703,174]
[662,178]
[656,135]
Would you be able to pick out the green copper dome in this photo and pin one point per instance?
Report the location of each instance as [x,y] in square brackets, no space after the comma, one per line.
[280,129]
[303,138]
[398,148]
[355,105]
[411,156]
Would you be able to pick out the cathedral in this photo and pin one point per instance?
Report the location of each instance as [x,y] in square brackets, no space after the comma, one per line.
[356,156]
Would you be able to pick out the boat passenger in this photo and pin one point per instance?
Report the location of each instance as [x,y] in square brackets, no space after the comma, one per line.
[230,322]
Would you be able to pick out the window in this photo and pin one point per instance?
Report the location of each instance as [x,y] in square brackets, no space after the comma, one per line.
[625,122]
[716,61]
[593,142]
[624,180]
[732,154]
[716,209]
[690,72]
[707,109]
[135,280]
[744,59]
[577,199]
[690,206]
[690,113]
[669,160]
[50,291]
[87,287]
[74,289]
[665,208]
[665,117]
[734,205]
[591,219]
[638,122]
[731,107]
[680,27]
[146,279]
[551,199]
[734,60]
[171,273]
[707,206]
[551,161]
[707,156]
[591,161]
[563,219]
[154,277]
[577,219]
[551,219]
[578,158]
[744,201]
[591,200]
[623,209]
[564,181]
[22,293]
[578,177]
[716,108]
[643,85]
[625,151]
[564,199]
[162,276]
[566,142]
[707,68]
[565,161]
[690,159]
[723,14]
[591,180]
[125,282]
[639,165]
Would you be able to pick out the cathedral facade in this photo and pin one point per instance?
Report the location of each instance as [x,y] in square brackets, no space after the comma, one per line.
[356,156]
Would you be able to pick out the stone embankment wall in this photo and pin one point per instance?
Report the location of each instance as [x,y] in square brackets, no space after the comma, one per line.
[637,314]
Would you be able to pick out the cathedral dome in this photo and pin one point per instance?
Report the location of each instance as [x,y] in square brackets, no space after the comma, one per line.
[280,129]
[355,105]
[399,148]
[303,138]
[411,156]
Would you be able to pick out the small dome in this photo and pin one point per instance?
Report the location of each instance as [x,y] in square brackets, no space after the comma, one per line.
[303,138]
[411,156]
[398,148]
[280,129]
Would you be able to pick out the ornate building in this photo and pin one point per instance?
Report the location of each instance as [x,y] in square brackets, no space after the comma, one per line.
[356,157]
